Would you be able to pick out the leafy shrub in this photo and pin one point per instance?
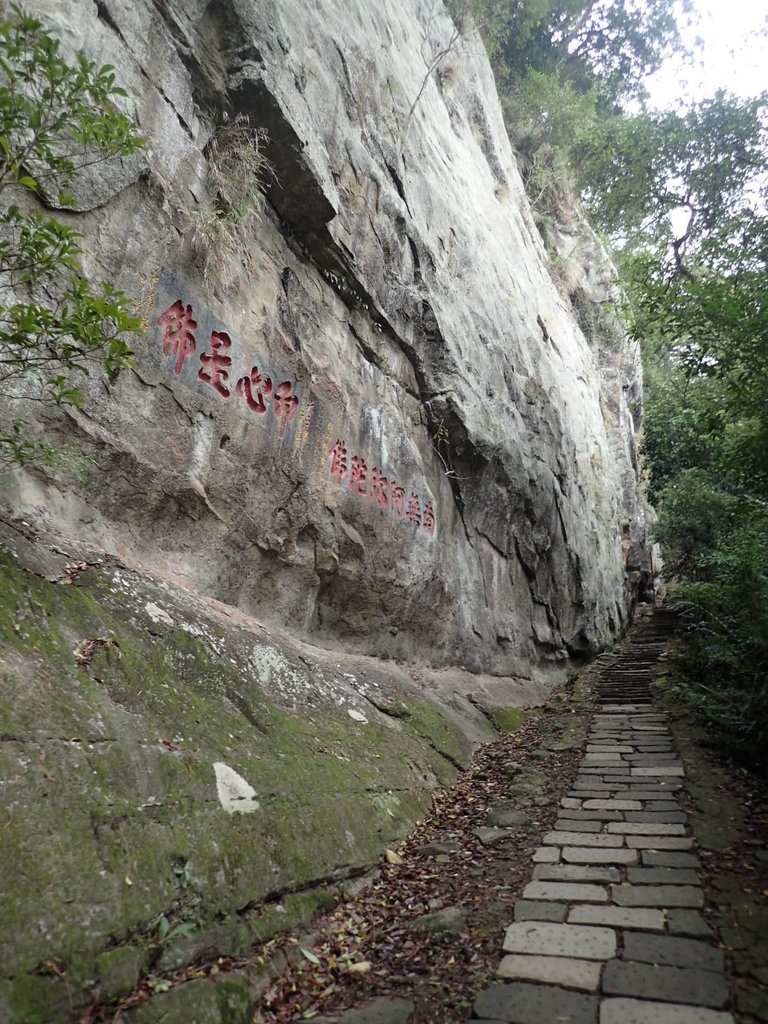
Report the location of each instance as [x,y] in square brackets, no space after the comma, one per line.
[55,117]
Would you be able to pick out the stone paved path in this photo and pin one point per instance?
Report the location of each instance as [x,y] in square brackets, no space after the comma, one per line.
[609,929]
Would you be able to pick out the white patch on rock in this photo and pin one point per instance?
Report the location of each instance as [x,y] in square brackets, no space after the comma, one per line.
[235,794]
[157,614]
[357,715]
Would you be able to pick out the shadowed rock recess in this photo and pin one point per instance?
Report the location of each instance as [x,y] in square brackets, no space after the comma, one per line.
[368,488]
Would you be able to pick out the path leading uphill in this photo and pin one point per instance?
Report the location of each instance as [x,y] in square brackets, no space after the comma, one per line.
[610,928]
[611,921]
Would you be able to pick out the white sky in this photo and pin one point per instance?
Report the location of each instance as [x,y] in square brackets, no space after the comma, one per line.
[734,55]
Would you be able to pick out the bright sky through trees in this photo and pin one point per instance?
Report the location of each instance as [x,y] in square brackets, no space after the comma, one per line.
[734,54]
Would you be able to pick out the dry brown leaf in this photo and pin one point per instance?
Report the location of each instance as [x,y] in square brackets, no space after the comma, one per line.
[393,858]
[362,967]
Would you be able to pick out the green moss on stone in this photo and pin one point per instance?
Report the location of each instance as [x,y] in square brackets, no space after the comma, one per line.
[111,780]
[508,719]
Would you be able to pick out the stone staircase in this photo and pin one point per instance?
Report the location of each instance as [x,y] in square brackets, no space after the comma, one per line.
[609,930]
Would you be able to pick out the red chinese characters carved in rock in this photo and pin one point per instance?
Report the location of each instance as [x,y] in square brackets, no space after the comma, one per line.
[254,388]
[358,474]
[379,492]
[338,460]
[216,363]
[178,324]
[428,521]
[413,514]
[397,494]
[286,405]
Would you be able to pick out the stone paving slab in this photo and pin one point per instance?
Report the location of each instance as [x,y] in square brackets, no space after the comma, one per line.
[672,951]
[612,805]
[651,981]
[586,855]
[657,895]
[582,839]
[522,1003]
[659,842]
[669,859]
[635,1011]
[553,970]
[546,855]
[649,815]
[579,873]
[687,922]
[580,814]
[640,828]
[535,910]
[641,918]
[566,892]
[577,825]
[567,940]
[663,876]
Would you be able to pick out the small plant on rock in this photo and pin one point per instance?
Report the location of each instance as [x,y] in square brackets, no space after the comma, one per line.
[238,172]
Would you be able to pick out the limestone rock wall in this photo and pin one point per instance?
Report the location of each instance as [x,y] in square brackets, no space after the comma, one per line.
[373,481]
[438,470]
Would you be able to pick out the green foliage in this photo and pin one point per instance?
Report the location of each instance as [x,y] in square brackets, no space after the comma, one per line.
[55,118]
[238,172]
[545,116]
[705,165]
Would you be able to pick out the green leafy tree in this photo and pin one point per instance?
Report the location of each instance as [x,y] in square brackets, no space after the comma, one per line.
[56,117]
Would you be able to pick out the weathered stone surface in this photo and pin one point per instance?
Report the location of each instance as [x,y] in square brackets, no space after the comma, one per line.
[582,839]
[669,859]
[581,825]
[658,842]
[546,855]
[663,876]
[534,910]
[672,817]
[585,855]
[567,892]
[396,342]
[272,616]
[567,814]
[612,805]
[520,1003]
[667,984]
[449,920]
[490,836]
[672,951]
[438,849]
[575,873]
[567,940]
[688,922]
[506,817]
[636,1011]
[618,917]
[552,970]
[637,828]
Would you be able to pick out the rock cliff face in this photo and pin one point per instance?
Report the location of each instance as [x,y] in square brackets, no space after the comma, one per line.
[378,452]
[439,472]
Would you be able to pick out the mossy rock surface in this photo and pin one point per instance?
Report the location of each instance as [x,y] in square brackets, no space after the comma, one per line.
[116,701]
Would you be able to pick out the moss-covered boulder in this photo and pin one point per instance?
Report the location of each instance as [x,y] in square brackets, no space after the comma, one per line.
[133,720]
